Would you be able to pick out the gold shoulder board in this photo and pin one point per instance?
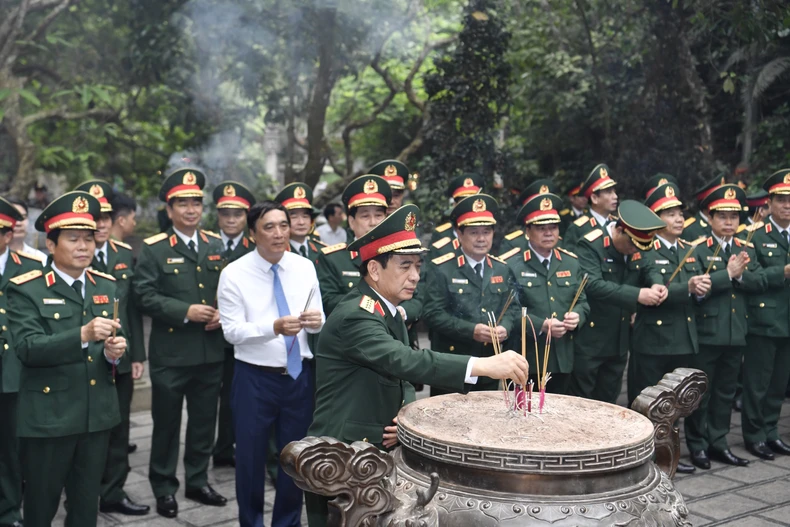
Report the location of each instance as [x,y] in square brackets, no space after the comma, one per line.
[443,227]
[511,252]
[122,244]
[567,252]
[30,275]
[103,275]
[438,244]
[444,258]
[514,234]
[593,235]
[155,238]
[565,212]
[581,220]
[214,234]
[367,303]
[689,222]
[30,256]
[497,258]
[333,248]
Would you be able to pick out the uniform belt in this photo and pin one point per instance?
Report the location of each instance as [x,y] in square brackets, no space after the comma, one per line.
[272,369]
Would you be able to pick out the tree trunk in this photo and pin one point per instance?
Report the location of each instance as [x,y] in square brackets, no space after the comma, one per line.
[17,131]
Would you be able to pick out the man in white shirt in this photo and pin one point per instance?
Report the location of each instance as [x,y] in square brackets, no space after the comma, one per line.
[269,300]
[20,233]
[332,232]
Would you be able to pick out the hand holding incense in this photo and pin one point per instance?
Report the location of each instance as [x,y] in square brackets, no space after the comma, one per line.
[582,285]
[114,330]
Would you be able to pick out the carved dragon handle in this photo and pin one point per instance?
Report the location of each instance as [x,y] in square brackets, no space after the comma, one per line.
[677,395]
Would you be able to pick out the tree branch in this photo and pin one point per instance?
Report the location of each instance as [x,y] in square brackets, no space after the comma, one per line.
[426,50]
[64,114]
[52,15]
[9,30]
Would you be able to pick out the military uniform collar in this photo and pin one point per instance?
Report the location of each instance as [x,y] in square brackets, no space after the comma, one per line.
[577,212]
[776,225]
[103,250]
[721,241]
[225,238]
[295,245]
[666,243]
[602,220]
[68,279]
[540,258]
[471,261]
[186,239]
[392,308]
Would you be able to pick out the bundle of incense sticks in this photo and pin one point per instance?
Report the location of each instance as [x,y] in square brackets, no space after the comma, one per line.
[537,358]
[582,285]
[509,300]
[715,254]
[114,331]
[544,378]
[520,391]
[754,222]
[306,306]
[497,350]
[680,265]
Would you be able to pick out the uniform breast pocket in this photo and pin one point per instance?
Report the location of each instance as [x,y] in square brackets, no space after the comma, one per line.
[102,310]
[566,290]
[654,329]
[175,278]
[54,314]
[761,311]
[693,268]
[45,400]
[707,317]
[609,272]
[531,282]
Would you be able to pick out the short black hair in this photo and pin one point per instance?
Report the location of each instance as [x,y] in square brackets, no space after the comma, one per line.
[711,213]
[260,209]
[122,205]
[54,234]
[353,211]
[331,209]
[17,201]
[383,259]
[173,200]
[462,228]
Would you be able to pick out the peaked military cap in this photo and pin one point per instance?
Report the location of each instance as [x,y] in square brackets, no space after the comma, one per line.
[725,197]
[100,190]
[393,171]
[475,210]
[72,210]
[539,186]
[9,216]
[639,223]
[708,187]
[657,180]
[395,234]
[597,180]
[663,197]
[41,187]
[575,191]
[232,195]
[758,199]
[295,196]
[184,182]
[367,190]
[540,209]
[465,185]
[778,182]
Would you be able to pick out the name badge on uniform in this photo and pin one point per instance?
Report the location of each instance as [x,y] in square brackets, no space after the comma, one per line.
[175,260]
[529,275]
[714,259]
[563,274]
[497,279]
[770,245]
[691,260]
[462,281]
[120,266]
[101,299]
[608,260]
[350,273]
[662,262]
[214,257]
[54,301]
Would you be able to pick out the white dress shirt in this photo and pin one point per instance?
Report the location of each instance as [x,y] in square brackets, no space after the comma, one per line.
[186,239]
[235,241]
[103,250]
[330,237]
[472,263]
[4,260]
[540,257]
[247,307]
[600,219]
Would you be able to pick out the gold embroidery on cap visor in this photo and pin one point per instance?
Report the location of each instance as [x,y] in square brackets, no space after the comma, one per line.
[403,247]
[641,239]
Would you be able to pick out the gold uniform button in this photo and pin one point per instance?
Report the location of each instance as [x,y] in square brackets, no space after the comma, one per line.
[5,347]
[483,310]
[529,284]
[452,348]
[733,310]
[592,324]
[689,319]
[762,304]
[351,284]
[548,283]
[770,253]
[198,268]
[57,316]
[5,328]
[123,276]
[203,301]
[90,359]
[551,298]
[659,323]
[46,389]
[201,286]
[93,382]
[365,439]
[169,330]
[104,313]
[622,319]
[733,296]
[554,314]
[567,282]
[663,271]
[1,293]
[2,310]
[175,271]
[460,290]
[84,313]
[714,267]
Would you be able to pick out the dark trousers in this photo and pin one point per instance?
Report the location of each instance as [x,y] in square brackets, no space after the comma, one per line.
[766,369]
[10,469]
[75,462]
[598,378]
[223,448]
[117,467]
[169,386]
[708,426]
[647,370]
[261,399]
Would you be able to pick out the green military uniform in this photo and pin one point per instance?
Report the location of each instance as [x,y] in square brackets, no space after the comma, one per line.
[518,238]
[298,196]
[460,187]
[664,336]
[721,327]
[568,215]
[364,363]
[697,227]
[235,196]
[597,180]
[16,264]
[656,181]
[766,367]
[612,292]
[547,292]
[338,269]
[458,297]
[67,398]
[186,360]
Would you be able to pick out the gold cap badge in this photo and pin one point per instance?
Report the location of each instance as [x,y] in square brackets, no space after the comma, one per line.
[189,179]
[662,181]
[479,206]
[786,179]
[468,182]
[370,187]
[411,222]
[604,173]
[96,191]
[390,170]
[729,193]
[545,204]
[669,192]
[299,193]
[543,189]
[80,205]
[229,191]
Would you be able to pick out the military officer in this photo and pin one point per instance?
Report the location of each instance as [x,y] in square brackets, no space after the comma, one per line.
[613,294]
[364,361]
[766,368]
[598,188]
[462,288]
[232,200]
[698,226]
[115,258]
[297,198]
[175,283]
[665,335]
[60,320]
[759,201]
[12,264]
[547,278]
[721,325]
[366,200]
[395,173]
[443,237]
[578,208]
[518,238]
[655,181]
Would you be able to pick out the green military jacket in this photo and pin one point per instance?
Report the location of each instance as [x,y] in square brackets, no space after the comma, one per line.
[313,249]
[440,231]
[365,367]
[444,245]
[567,216]
[170,277]
[243,247]
[10,367]
[338,273]
[612,293]
[64,389]
[457,299]
[669,328]
[722,318]
[548,293]
[578,229]
[695,228]
[120,264]
[517,239]
[769,311]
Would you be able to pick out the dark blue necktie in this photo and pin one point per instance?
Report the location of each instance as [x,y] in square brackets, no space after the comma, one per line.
[294,367]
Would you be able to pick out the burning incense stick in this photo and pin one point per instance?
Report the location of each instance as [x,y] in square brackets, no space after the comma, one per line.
[115,314]
[582,285]
[510,298]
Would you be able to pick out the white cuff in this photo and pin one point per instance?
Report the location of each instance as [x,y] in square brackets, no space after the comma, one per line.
[85,345]
[108,359]
[469,365]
